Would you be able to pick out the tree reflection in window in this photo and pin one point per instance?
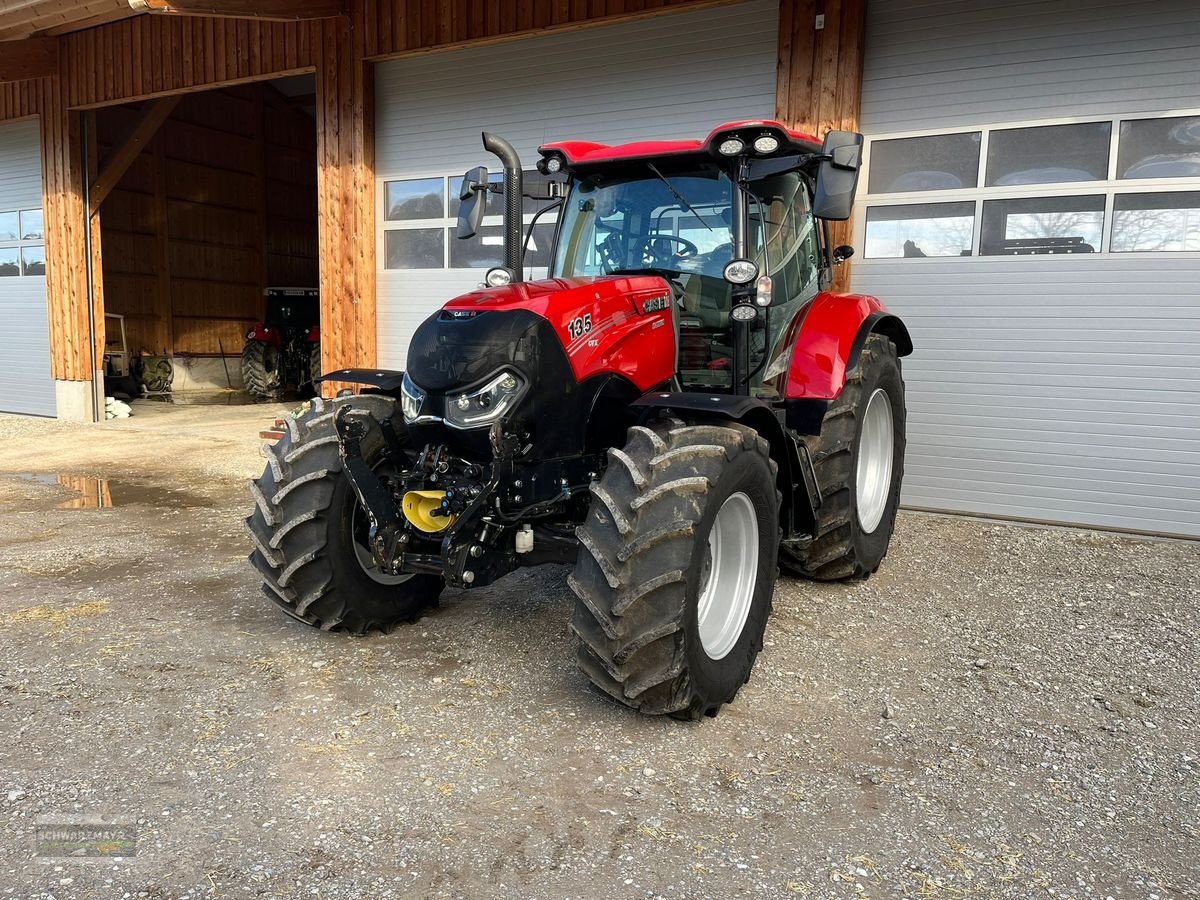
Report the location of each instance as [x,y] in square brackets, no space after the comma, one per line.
[1042,225]
[920,229]
[1157,222]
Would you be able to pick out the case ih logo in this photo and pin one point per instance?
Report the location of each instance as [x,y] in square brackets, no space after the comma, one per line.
[654,304]
[460,313]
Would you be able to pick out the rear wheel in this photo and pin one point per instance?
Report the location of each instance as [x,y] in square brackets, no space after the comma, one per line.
[261,369]
[310,532]
[677,567]
[858,459]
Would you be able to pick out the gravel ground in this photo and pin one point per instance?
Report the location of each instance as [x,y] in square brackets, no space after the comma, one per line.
[1002,712]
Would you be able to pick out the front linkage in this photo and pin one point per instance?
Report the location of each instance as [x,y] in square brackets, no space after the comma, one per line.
[470,523]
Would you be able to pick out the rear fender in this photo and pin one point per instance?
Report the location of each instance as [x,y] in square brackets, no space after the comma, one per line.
[795,479]
[831,337]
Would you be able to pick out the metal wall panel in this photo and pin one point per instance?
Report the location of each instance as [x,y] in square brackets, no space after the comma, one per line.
[938,64]
[1058,388]
[26,385]
[671,76]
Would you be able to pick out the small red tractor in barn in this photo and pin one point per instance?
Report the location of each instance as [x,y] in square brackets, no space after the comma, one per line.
[286,348]
[680,409]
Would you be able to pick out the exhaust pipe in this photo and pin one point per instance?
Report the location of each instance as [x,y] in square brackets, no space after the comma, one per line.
[513,188]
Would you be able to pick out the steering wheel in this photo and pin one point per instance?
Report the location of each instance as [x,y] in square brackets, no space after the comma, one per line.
[658,248]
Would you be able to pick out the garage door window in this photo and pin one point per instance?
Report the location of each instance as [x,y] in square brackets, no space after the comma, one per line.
[1048,154]
[420,221]
[1160,148]
[940,162]
[1043,225]
[21,250]
[920,229]
[1163,222]
[1049,188]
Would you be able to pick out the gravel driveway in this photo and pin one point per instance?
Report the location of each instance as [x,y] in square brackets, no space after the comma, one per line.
[1003,711]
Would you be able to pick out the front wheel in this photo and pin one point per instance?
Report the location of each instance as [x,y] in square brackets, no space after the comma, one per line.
[858,459]
[261,375]
[310,532]
[677,567]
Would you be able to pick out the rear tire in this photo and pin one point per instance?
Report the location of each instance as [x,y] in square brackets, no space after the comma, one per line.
[660,628]
[260,370]
[304,529]
[858,499]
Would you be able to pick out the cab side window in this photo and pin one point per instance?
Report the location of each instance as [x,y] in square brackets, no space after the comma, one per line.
[791,236]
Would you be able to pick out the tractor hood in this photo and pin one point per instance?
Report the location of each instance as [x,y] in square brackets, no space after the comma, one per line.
[551,297]
[561,338]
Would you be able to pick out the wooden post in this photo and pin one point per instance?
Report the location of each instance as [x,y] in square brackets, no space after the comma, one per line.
[819,78]
[346,192]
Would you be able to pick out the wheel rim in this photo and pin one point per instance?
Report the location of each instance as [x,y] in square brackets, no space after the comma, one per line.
[729,577]
[873,477]
[359,529]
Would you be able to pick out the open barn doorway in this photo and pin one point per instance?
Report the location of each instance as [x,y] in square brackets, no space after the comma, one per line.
[204,206]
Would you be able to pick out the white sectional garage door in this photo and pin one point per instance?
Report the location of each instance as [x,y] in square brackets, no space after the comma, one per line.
[1032,209]
[671,76]
[25,382]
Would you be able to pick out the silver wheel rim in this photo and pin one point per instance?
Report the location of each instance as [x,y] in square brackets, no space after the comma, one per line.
[729,576]
[873,477]
[366,560]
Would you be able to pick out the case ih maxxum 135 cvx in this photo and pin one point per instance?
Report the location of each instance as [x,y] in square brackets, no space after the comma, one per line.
[680,409]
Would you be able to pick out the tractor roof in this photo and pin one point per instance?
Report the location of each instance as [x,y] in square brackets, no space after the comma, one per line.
[587,153]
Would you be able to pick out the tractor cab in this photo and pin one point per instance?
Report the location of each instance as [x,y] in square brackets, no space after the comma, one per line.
[729,222]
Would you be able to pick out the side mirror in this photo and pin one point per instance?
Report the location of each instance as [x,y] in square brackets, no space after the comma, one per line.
[472,197]
[837,177]
[842,253]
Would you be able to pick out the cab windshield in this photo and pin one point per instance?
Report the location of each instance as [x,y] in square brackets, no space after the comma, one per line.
[678,222]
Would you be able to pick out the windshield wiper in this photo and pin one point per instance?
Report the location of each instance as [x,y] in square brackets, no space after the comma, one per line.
[678,196]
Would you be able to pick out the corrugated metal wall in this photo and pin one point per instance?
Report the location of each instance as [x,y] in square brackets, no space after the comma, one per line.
[25,382]
[1059,388]
[939,64]
[672,76]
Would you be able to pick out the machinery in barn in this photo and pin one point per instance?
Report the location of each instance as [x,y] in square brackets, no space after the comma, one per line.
[285,349]
[681,408]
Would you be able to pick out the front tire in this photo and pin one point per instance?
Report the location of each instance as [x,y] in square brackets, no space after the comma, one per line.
[309,531]
[858,459]
[261,370]
[677,567]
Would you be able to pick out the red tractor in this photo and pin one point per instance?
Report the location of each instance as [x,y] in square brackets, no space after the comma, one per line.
[286,348]
[679,410]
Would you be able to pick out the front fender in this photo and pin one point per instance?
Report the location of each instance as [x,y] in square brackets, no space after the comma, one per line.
[385,380]
[830,339]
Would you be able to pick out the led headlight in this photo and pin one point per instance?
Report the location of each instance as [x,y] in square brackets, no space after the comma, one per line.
[743,312]
[740,271]
[498,277]
[731,146]
[412,398]
[553,164]
[768,143]
[485,405]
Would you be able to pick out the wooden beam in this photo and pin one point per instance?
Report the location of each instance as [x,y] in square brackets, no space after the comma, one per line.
[30,58]
[122,155]
[272,10]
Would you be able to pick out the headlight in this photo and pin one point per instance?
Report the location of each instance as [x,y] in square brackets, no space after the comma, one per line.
[412,398]
[486,404]
[498,277]
[740,271]
[767,143]
[731,146]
